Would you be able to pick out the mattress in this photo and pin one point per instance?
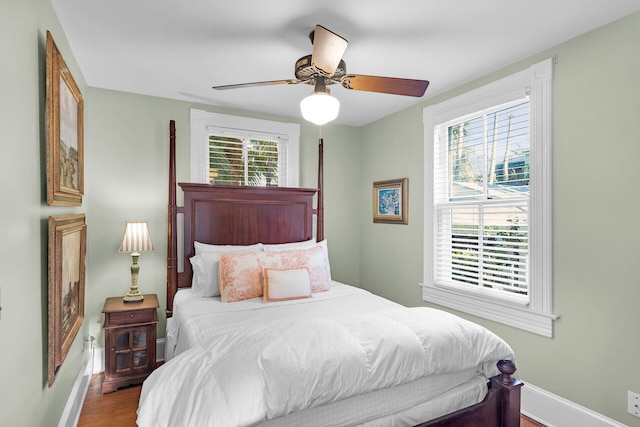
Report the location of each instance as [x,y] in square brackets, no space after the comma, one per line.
[206,339]
[405,405]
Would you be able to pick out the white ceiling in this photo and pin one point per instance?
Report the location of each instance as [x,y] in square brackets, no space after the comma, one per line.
[179,49]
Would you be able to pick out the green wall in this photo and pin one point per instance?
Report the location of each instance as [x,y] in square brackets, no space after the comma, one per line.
[126,156]
[592,359]
[25,398]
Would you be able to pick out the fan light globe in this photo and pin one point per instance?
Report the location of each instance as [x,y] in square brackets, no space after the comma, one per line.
[320,108]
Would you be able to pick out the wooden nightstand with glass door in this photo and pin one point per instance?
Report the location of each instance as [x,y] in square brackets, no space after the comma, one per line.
[130,341]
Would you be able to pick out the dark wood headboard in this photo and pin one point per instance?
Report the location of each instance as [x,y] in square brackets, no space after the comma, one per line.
[235,215]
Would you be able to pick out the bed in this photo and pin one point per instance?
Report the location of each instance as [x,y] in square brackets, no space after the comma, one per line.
[284,344]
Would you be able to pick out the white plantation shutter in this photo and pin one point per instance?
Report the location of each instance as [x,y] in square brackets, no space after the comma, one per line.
[481,195]
[223,153]
[246,161]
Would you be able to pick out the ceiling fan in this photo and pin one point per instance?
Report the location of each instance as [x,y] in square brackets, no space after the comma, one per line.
[325,67]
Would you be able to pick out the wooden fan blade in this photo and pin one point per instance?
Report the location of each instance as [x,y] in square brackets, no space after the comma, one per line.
[328,48]
[267,83]
[392,85]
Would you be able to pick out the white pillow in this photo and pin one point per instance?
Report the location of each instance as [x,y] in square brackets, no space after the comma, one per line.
[204,281]
[281,284]
[290,246]
[198,275]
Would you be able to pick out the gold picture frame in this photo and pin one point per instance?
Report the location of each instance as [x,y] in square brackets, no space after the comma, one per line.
[390,201]
[67,255]
[65,132]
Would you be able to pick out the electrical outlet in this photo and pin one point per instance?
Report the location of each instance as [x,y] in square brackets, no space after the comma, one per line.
[633,406]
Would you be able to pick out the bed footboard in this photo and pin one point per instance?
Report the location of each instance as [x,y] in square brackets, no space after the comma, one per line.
[500,408]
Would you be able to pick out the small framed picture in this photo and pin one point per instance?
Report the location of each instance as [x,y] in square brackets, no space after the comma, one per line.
[65,132]
[390,201]
[67,251]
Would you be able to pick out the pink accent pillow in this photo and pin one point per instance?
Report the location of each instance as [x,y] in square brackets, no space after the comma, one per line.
[316,259]
[240,273]
[281,284]
[240,276]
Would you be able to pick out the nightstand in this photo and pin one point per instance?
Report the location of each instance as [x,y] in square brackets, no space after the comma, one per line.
[130,341]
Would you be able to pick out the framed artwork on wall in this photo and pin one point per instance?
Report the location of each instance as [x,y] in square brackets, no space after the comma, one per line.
[67,253]
[390,201]
[65,132]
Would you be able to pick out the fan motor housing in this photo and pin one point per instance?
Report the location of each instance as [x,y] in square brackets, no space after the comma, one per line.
[306,72]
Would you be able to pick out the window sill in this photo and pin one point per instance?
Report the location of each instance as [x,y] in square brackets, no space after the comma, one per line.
[501,311]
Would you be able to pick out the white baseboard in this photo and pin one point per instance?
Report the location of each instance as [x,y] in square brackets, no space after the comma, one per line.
[555,411]
[73,408]
[98,360]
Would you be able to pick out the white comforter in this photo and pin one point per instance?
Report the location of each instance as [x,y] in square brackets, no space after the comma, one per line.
[251,375]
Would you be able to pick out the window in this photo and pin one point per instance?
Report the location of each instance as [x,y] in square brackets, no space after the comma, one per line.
[488,201]
[244,161]
[481,199]
[235,150]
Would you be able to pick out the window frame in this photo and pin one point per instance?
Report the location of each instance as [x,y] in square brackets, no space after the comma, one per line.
[536,314]
[203,123]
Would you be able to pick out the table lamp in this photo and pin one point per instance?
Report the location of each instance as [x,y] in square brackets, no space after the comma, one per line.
[136,239]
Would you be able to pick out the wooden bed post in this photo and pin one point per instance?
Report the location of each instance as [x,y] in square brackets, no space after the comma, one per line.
[320,213]
[510,390]
[172,248]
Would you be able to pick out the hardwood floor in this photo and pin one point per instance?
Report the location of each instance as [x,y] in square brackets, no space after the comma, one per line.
[526,422]
[119,408]
[111,409]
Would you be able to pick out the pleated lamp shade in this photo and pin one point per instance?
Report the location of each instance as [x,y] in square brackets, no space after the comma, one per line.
[136,238]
